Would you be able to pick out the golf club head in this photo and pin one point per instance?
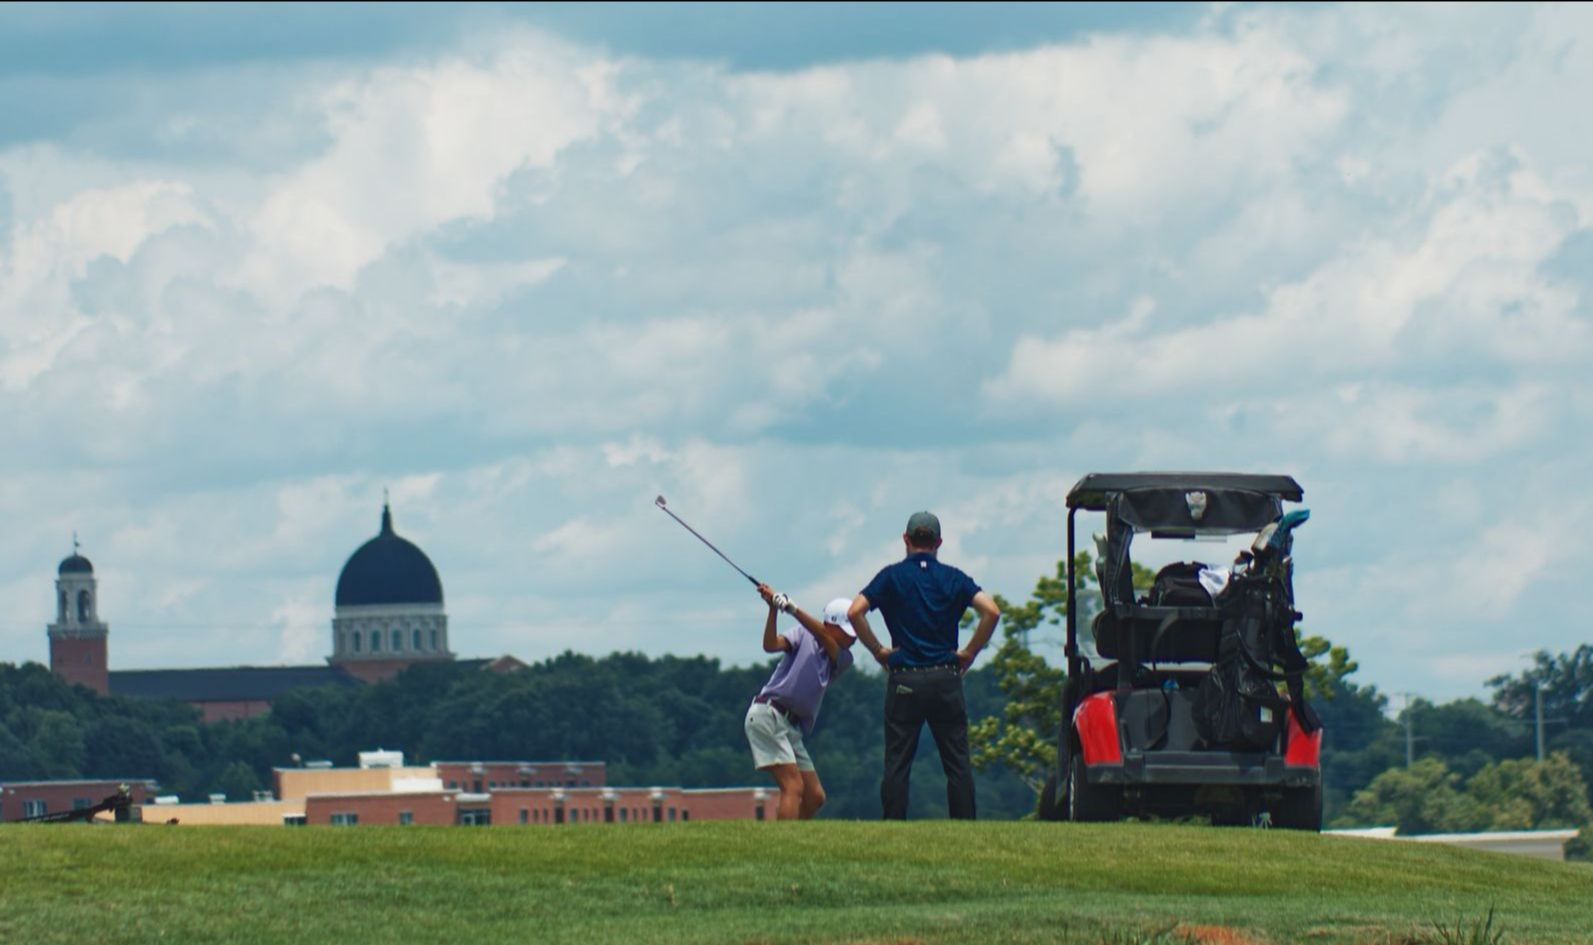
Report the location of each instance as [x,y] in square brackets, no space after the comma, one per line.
[659,502]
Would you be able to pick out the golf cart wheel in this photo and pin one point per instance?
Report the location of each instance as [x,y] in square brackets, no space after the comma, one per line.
[1048,808]
[1091,803]
[1299,809]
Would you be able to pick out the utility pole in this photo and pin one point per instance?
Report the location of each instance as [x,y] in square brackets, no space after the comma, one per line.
[1410,734]
[1538,692]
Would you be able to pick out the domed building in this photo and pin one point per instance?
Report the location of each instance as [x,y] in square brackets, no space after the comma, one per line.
[389,608]
[387,615]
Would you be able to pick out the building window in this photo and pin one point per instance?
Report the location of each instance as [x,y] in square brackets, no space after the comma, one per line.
[62,617]
[672,815]
[757,813]
[417,641]
[558,815]
[405,818]
[658,813]
[294,820]
[376,640]
[83,606]
[608,814]
[345,820]
[685,815]
[477,788]
[434,640]
[475,818]
[81,803]
[453,785]
[525,816]
[624,811]
[34,808]
[355,636]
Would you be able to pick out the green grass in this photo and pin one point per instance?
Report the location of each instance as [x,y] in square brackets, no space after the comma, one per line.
[764,883]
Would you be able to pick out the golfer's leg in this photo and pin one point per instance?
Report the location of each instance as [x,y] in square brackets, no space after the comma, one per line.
[948,723]
[790,781]
[812,794]
[903,723]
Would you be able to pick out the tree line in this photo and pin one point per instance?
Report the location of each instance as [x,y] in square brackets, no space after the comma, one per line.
[655,721]
[1463,765]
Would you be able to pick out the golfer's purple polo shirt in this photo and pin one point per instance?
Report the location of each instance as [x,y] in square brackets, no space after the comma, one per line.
[803,674]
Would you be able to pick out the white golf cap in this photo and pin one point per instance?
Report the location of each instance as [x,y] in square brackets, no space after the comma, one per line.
[835,613]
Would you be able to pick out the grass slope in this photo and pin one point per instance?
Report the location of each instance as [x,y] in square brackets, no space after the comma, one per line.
[749,882]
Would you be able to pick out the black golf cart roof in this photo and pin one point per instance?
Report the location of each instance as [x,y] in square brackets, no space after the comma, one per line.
[1183,504]
[1096,489]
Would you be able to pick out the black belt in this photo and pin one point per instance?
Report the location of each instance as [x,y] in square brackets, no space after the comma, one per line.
[778,706]
[925,669]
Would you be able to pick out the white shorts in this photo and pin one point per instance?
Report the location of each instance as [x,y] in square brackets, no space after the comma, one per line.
[775,739]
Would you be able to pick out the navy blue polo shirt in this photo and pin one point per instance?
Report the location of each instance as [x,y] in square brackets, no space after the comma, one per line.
[922,601]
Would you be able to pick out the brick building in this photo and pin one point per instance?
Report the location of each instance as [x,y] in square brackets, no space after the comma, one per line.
[481,776]
[20,800]
[383,791]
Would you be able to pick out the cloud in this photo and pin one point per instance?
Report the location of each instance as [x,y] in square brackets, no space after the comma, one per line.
[528,283]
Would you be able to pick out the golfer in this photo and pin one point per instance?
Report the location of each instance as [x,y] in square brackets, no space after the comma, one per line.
[815,653]
[923,600]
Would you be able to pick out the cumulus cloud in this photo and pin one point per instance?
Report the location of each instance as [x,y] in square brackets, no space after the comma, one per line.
[527,284]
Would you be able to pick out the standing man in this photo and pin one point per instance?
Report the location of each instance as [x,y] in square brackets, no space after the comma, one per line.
[814,654]
[923,602]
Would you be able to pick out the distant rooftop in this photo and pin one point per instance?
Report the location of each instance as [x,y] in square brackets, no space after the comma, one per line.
[230,684]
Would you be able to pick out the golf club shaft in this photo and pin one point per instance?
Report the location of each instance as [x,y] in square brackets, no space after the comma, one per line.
[705,541]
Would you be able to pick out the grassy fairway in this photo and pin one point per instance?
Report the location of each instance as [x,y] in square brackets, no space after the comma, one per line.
[747,882]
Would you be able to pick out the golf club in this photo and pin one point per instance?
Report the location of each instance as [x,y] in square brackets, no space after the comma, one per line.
[662,505]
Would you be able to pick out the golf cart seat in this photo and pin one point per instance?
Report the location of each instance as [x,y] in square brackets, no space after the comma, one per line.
[1190,636]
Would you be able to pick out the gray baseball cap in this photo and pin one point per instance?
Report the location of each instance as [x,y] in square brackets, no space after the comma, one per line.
[923,524]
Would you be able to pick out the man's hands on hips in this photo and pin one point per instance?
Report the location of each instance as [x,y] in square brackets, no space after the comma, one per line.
[965,658]
[883,656]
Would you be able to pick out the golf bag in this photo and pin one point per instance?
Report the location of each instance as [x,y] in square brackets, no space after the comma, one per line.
[1178,585]
[1238,705]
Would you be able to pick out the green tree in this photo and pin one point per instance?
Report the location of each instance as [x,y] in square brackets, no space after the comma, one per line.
[1423,798]
[1331,666]
[1525,794]
[1022,738]
[1580,847]
[1468,734]
[121,747]
[1566,680]
[56,743]
[238,781]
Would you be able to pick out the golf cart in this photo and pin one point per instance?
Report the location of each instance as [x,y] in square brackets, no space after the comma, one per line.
[1172,704]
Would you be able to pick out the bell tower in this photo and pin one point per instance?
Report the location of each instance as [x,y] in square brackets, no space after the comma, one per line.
[78,637]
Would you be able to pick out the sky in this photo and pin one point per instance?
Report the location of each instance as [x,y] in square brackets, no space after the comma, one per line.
[804,271]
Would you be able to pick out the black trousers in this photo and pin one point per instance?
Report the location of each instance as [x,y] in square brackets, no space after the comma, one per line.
[911,699]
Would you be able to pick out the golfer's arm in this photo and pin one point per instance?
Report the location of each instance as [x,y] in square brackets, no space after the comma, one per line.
[989,614]
[858,615]
[773,642]
[826,634]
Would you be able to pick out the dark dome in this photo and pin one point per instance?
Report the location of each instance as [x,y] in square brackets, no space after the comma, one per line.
[388,570]
[77,564]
